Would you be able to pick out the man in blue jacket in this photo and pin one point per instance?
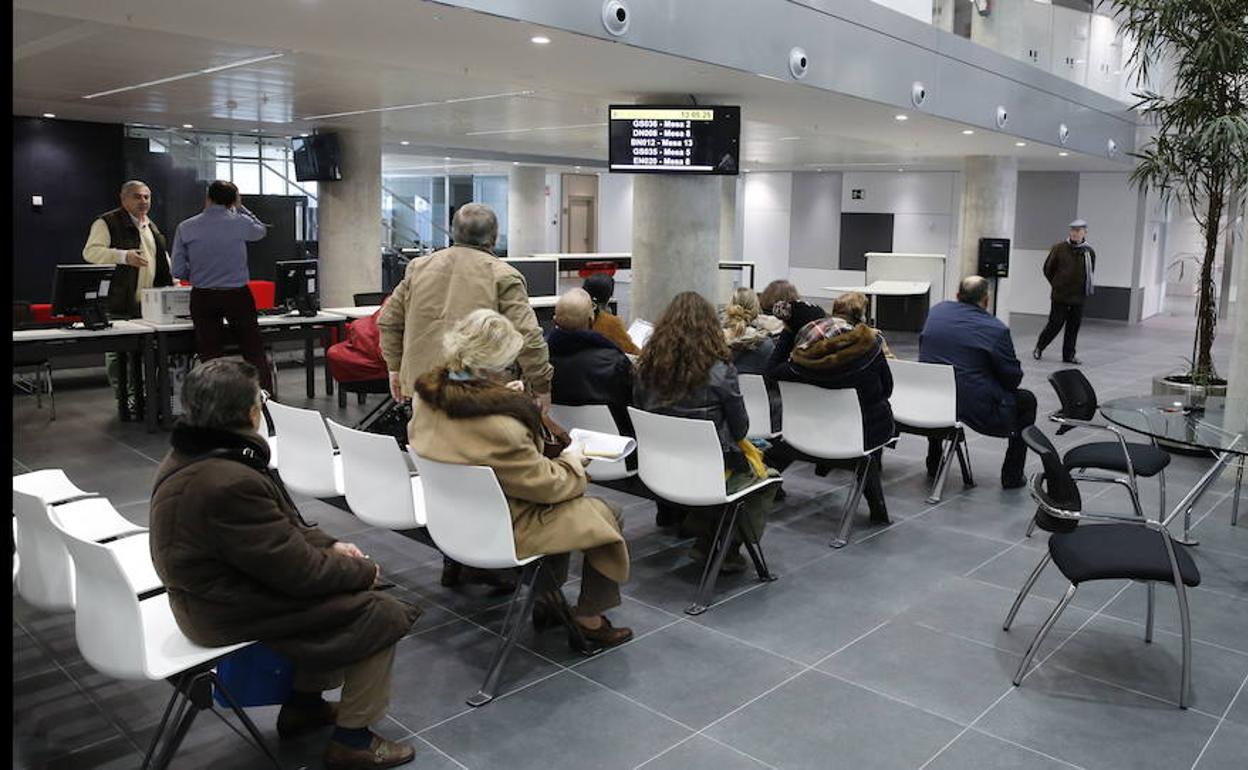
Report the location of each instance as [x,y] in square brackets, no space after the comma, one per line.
[979,347]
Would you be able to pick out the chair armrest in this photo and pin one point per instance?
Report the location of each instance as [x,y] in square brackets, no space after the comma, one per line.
[1122,441]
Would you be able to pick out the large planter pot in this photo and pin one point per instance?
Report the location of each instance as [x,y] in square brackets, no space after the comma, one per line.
[1189,395]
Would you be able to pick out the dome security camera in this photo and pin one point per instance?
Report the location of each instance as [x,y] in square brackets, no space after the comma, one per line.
[918,94]
[616,16]
[1063,133]
[1111,148]
[1003,117]
[799,63]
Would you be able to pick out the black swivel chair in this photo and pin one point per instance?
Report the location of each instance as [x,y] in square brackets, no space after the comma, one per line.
[1120,456]
[1129,548]
[369,298]
[42,367]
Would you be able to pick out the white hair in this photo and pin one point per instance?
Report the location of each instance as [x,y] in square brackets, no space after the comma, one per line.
[483,339]
[133,184]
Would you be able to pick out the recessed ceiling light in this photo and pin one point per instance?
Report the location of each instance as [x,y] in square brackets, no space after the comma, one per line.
[901,117]
[184,75]
[404,142]
[1063,153]
[1020,144]
[900,170]
[578,168]
[967,132]
[539,40]
[515,163]
[187,125]
[49,115]
[446,157]
[302,135]
[255,130]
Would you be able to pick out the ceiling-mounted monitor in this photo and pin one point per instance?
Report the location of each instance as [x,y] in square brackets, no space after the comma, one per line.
[659,139]
[316,158]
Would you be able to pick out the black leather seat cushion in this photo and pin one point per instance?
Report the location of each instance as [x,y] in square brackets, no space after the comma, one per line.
[1107,455]
[1118,552]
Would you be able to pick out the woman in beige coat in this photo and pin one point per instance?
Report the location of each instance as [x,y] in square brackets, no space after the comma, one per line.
[470,412]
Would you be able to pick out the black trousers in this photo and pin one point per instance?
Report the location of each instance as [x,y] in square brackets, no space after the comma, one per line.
[1016,451]
[211,308]
[1070,316]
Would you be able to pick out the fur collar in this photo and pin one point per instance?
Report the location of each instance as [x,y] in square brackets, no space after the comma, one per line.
[833,352]
[564,342]
[461,399]
[244,446]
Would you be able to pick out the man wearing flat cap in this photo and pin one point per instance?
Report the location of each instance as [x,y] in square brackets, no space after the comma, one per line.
[1069,269]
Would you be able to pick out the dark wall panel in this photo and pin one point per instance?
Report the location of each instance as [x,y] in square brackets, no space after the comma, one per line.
[279,212]
[863,233]
[78,168]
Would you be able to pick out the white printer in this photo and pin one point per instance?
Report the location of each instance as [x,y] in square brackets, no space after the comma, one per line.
[167,304]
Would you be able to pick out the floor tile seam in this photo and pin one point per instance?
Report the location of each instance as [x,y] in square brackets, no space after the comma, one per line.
[1218,726]
[955,531]
[1092,616]
[1025,747]
[1119,686]
[730,747]
[650,606]
[968,727]
[991,559]
[439,750]
[116,725]
[666,751]
[116,440]
[1223,552]
[634,701]
[470,709]
[1167,632]
[960,637]
[639,637]
[752,645]
[88,747]
[944,717]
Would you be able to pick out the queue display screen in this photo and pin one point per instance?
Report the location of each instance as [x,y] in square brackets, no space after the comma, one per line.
[674,140]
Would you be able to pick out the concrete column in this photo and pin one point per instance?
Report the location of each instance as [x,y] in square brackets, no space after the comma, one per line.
[350,218]
[728,219]
[1237,377]
[676,227]
[988,200]
[526,211]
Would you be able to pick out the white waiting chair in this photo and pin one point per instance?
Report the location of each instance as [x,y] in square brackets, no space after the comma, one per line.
[377,481]
[827,425]
[757,406]
[470,521]
[596,417]
[680,460]
[47,581]
[52,485]
[307,461]
[925,403]
[125,637]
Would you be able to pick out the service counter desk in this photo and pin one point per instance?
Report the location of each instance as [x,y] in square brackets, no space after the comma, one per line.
[894,305]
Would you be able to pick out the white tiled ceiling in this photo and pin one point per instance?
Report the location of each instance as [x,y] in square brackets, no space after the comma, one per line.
[378,55]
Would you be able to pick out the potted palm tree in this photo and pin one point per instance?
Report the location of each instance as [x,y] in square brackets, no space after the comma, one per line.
[1199,151]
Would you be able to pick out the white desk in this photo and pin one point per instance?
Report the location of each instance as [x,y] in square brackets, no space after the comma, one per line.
[130,337]
[884,289]
[364,311]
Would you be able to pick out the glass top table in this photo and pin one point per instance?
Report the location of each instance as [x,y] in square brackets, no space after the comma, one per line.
[1220,428]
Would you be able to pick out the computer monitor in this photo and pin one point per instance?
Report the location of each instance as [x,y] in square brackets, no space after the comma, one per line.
[82,290]
[541,274]
[296,285]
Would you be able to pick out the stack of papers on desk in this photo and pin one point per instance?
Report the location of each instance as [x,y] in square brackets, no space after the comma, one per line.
[602,446]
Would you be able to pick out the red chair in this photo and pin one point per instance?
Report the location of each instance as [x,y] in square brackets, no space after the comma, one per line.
[263,292]
[597,268]
[42,313]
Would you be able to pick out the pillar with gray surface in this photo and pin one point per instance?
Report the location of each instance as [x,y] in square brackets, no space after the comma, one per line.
[349,219]
[676,235]
[526,211]
[988,203]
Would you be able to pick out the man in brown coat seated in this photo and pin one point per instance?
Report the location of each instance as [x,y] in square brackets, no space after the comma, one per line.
[240,564]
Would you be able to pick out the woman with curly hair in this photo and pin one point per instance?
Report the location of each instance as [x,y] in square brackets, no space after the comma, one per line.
[686,370]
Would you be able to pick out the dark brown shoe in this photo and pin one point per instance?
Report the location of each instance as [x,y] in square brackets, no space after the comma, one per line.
[603,637]
[380,753]
[293,721]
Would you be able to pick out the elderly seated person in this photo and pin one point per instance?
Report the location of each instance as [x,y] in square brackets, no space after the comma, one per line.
[241,564]
[589,368]
[601,288]
[686,371]
[987,371]
[471,412]
[852,306]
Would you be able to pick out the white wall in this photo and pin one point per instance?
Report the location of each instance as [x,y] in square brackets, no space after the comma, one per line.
[767,208]
[615,212]
[919,9]
[1109,204]
[553,196]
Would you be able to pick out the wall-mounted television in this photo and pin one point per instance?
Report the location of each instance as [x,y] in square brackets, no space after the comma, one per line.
[316,158]
[658,139]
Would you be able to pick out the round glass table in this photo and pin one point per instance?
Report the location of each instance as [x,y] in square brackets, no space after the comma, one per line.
[1221,428]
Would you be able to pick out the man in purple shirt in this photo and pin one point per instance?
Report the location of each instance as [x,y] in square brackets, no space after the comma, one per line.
[210,251]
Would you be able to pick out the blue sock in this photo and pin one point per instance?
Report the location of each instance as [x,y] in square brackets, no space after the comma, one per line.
[354,737]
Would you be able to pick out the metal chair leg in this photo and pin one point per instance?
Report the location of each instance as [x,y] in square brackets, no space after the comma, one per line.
[1148,615]
[51,392]
[1031,527]
[1042,633]
[938,483]
[754,548]
[210,679]
[511,629]
[851,505]
[964,460]
[175,698]
[715,560]
[1185,683]
[1026,589]
[1239,485]
[1161,486]
[181,727]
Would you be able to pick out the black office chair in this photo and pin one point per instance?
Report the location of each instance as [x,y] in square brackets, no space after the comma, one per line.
[369,298]
[42,367]
[1079,407]
[1129,548]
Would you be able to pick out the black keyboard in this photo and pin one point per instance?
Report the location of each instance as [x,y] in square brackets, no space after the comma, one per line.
[274,311]
[31,325]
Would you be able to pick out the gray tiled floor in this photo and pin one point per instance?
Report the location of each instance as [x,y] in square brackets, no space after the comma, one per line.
[886,654]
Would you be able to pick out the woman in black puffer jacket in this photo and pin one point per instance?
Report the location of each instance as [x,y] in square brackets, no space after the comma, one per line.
[831,353]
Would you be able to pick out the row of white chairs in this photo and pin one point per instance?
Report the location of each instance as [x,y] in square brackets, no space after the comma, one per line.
[76,552]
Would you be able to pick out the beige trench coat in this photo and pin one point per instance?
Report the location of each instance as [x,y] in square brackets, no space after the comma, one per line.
[439,290]
[550,513]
